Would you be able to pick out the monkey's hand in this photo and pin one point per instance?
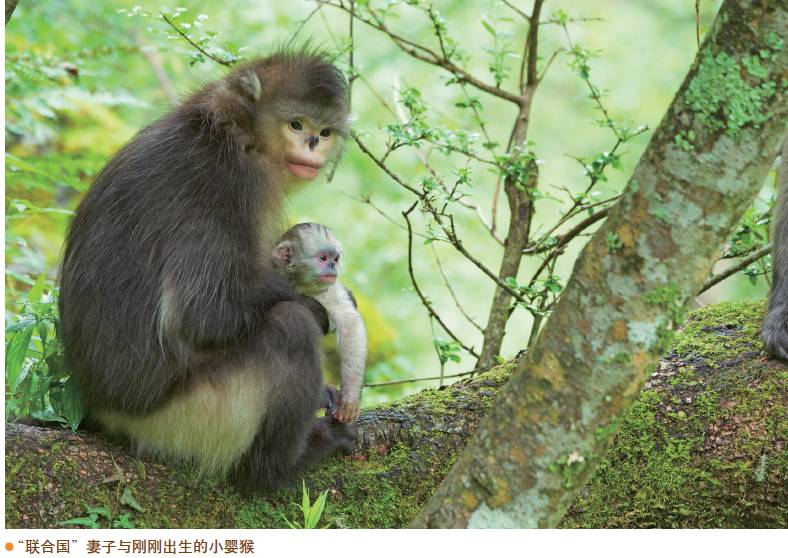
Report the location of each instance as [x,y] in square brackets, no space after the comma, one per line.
[348,410]
[318,311]
[330,400]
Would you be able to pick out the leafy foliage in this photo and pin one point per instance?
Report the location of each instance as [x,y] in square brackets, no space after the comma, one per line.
[311,512]
[38,383]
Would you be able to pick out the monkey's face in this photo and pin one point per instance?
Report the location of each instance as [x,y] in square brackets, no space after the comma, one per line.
[308,145]
[308,255]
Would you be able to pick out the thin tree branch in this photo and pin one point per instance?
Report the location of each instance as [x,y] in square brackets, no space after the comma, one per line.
[152,56]
[741,264]
[568,236]
[548,64]
[412,380]
[457,243]
[452,293]
[427,304]
[188,39]
[301,25]
[532,41]
[382,165]
[429,56]
[517,10]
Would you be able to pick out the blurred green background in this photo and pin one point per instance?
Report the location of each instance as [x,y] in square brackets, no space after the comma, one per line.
[81,80]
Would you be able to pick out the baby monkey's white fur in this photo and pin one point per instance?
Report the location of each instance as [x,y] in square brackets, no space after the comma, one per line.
[294,256]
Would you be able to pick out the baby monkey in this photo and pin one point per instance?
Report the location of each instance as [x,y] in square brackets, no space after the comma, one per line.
[308,255]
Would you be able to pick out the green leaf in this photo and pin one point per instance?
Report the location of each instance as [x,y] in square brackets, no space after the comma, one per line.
[103,511]
[317,510]
[48,416]
[24,322]
[489,28]
[73,408]
[123,522]
[304,498]
[82,521]
[35,293]
[15,352]
[15,161]
[127,499]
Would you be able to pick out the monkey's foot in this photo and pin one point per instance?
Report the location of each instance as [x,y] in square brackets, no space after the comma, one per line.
[775,335]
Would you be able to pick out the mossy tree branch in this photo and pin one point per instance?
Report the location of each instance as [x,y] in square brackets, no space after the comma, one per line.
[704,446]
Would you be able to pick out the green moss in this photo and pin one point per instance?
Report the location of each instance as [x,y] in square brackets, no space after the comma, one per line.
[692,447]
[722,99]
[668,297]
[722,330]
[685,140]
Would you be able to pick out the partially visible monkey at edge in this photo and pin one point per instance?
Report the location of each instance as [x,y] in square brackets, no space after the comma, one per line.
[178,332]
[775,326]
[309,255]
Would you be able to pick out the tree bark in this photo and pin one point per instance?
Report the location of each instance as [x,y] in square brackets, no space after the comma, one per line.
[552,423]
[403,451]
[10,6]
[520,204]
[704,446]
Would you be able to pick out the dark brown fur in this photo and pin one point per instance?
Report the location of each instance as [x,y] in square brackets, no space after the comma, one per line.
[186,213]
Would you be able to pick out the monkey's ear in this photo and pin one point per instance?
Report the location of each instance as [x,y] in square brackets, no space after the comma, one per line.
[247,83]
[283,253]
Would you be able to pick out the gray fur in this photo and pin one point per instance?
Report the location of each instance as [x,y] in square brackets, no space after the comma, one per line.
[775,325]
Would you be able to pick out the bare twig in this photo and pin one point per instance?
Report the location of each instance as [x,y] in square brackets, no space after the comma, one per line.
[563,239]
[457,243]
[549,63]
[427,304]
[581,19]
[425,54]
[152,56]
[517,10]
[382,165]
[452,293]
[188,39]
[368,201]
[301,25]
[741,264]
[411,380]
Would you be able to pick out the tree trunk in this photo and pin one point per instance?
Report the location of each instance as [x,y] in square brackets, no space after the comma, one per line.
[552,423]
[10,6]
[704,446]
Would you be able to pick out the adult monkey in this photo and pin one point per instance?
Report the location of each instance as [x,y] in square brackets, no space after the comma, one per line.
[177,331]
[775,326]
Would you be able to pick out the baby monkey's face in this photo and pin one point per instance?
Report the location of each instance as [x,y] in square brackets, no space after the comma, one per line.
[325,263]
[308,255]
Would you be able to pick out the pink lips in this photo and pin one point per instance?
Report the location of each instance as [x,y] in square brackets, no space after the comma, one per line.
[328,278]
[302,168]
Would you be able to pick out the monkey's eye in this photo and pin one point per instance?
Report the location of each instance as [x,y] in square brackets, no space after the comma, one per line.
[296,125]
[323,258]
[336,260]
[325,132]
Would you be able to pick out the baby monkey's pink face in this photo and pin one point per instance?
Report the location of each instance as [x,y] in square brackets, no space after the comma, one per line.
[308,146]
[326,263]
